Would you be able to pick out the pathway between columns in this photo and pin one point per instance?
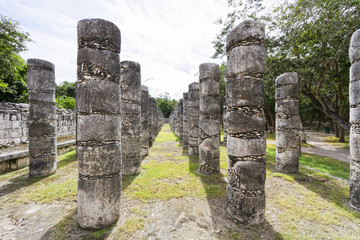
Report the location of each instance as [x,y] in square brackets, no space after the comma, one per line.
[322,148]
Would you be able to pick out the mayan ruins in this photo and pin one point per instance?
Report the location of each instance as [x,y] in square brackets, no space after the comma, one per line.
[130,83]
[42,117]
[98,123]
[144,134]
[180,120]
[354,98]
[246,143]
[288,145]
[209,119]
[193,119]
[185,131]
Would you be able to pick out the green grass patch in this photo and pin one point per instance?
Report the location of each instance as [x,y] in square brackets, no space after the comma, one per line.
[60,186]
[335,142]
[326,165]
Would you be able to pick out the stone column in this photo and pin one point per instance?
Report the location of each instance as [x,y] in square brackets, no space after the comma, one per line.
[209,120]
[224,124]
[193,119]
[246,143]
[185,122]
[181,119]
[144,121]
[151,121]
[130,82]
[354,97]
[287,123]
[42,117]
[98,123]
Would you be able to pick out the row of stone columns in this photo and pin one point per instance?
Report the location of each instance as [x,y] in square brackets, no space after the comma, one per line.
[113,136]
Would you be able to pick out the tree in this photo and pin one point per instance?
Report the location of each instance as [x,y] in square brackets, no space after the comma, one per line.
[165,104]
[12,66]
[65,95]
[310,37]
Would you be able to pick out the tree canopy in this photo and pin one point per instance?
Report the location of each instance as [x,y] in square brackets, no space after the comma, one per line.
[12,67]
[166,104]
[310,37]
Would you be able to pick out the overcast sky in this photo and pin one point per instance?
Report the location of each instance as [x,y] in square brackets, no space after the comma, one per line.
[169,38]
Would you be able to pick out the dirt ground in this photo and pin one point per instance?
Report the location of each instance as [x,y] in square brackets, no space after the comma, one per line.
[289,213]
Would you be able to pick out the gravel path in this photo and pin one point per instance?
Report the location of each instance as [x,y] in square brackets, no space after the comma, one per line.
[322,148]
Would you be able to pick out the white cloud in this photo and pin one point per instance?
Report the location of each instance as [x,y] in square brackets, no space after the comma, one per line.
[170,39]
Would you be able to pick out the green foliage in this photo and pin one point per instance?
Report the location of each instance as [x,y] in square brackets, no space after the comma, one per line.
[310,37]
[165,104]
[65,95]
[12,66]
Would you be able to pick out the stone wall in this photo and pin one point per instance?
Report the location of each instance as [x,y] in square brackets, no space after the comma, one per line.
[14,123]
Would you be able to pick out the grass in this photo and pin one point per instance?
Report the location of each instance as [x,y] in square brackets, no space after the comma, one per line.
[335,142]
[307,205]
[61,186]
[326,165]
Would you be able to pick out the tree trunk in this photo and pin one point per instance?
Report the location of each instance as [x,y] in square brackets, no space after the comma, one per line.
[326,109]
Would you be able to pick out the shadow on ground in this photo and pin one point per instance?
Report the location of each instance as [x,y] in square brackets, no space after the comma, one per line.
[23,180]
[215,188]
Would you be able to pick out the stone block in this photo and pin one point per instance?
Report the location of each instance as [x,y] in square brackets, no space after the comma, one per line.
[42,128]
[42,166]
[286,139]
[354,96]
[43,110]
[355,72]
[247,175]
[98,127]
[354,49]
[238,147]
[98,201]
[211,127]
[245,60]
[42,146]
[240,122]
[97,96]
[98,33]
[248,31]
[41,97]
[209,105]
[287,106]
[244,207]
[287,92]
[99,160]
[244,91]
[355,146]
[95,64]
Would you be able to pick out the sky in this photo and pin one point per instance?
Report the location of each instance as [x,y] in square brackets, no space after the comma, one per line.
[169,38]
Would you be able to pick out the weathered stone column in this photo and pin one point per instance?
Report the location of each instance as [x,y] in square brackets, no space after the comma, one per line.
[225,125]
[151,121]
[144,121]
[181,119]
[42,117]
[209,121]
[185,131]
[246,143]
[98,123]
[354,97]
[288,146]
[130,83]
[193,119]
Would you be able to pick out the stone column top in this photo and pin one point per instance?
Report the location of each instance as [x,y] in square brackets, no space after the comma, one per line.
[134,66]
[144,88]
[354,49]
[98,33]
[289,78]
[36,64]
[246,32]
[209,70]
[195,86]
